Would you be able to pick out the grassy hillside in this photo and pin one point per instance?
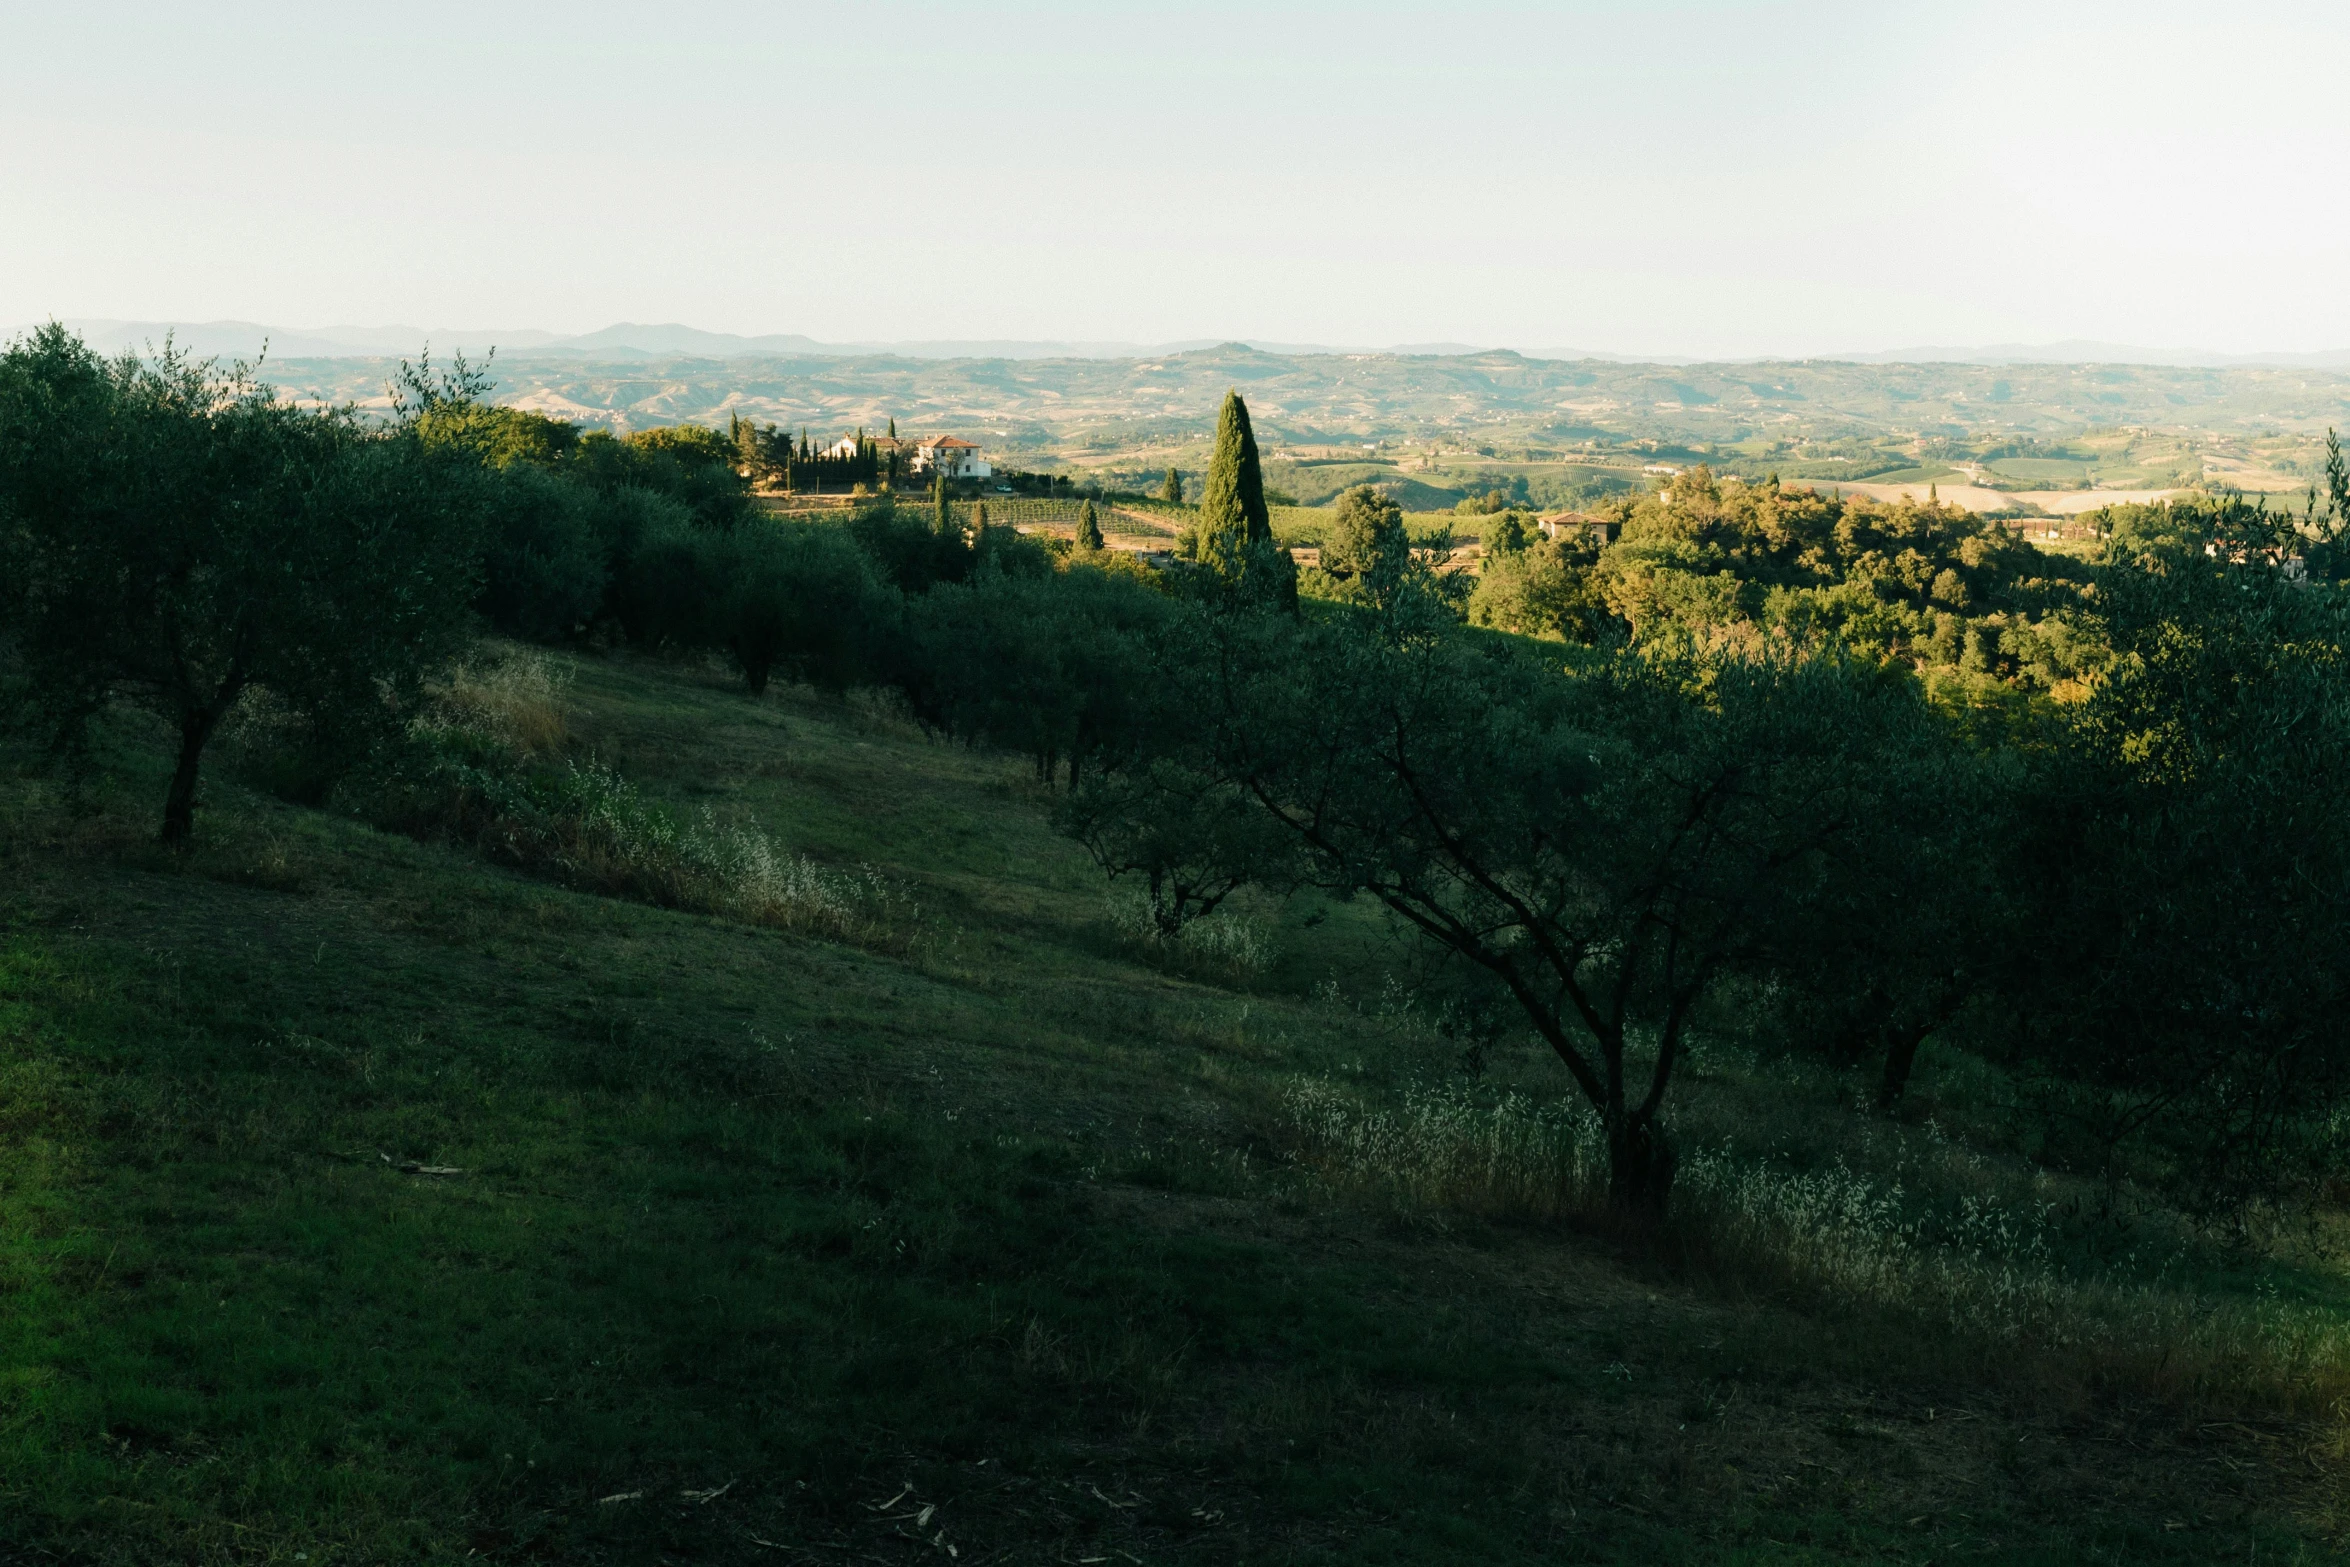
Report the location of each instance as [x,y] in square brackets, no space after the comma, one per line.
[364,1201]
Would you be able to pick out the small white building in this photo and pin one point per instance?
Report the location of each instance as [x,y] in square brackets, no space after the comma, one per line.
[846,446]
[950,458]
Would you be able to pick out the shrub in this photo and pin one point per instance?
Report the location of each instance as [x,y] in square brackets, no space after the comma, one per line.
[510,696]
[624,520]
[1965,1262]
[584,825]
[907,550]
[692,467]
[546,565]
[1221,942]
[665,596]
[798,597]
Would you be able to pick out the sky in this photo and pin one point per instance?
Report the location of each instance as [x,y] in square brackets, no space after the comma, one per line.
[1714,179]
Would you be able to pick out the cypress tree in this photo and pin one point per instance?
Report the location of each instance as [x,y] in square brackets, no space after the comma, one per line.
[743,436]
[1172,491]
[1089,529]
[942,510]
[1232,510]
[893,429]
[1234,536]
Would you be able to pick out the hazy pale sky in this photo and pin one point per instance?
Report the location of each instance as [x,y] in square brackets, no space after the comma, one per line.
[1653,178]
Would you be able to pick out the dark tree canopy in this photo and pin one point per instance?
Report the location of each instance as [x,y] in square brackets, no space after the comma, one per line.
[1368,542]
[1606,844]
[177,538]
[2188,843]
[795,597]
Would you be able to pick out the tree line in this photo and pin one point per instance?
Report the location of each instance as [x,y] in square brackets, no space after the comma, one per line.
[767,455]
[1716,796]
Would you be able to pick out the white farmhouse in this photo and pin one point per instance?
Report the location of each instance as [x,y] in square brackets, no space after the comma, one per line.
[947,456]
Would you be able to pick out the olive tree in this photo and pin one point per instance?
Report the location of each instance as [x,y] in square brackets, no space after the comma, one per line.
[177,538]
[792,596]
[1609,838]
[1052,666]
[2185,868]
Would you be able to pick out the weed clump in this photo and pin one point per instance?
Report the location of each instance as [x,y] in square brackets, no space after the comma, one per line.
[1971,1264]
[1225,943]
[480,766]
[1448,1149]
[514,698]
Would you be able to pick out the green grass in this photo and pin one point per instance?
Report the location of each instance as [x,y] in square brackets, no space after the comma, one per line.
[1310,525]
[1010,1222]
[1302,524]
[1320,483]
[2160,476]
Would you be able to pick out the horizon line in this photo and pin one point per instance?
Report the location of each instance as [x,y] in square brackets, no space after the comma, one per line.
[641,340]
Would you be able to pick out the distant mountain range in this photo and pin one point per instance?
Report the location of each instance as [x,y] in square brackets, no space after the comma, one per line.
[1494,398]
[628,341]
[2079,351]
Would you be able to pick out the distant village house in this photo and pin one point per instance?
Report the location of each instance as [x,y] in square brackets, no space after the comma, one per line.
[1578,525]
[941,454]
[950,458]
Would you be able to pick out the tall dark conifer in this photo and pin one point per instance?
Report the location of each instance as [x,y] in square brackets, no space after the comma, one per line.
[1089,529]
[1232,512]
[2337,482]
[1234,535]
